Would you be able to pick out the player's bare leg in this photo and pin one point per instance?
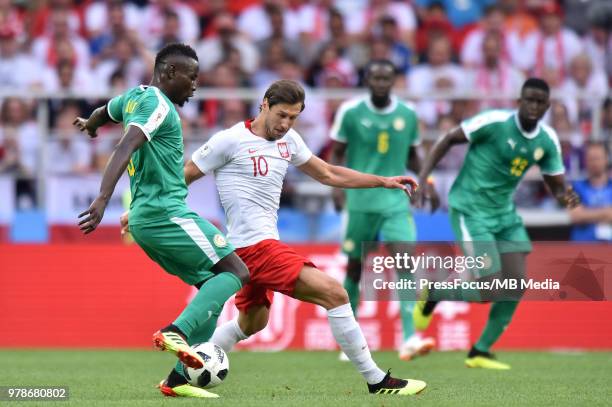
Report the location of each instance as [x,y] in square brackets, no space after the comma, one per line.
[248,323]
[318,288]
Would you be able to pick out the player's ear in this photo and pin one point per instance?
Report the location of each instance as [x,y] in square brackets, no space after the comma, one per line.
[265,105]
[171,71]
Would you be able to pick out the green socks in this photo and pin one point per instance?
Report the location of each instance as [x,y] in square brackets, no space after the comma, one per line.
[499,317]
[208,303]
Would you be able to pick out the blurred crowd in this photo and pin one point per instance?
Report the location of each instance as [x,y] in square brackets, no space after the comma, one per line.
[484,47]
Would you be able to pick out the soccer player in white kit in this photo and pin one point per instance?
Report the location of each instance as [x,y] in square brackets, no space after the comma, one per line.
[249,161]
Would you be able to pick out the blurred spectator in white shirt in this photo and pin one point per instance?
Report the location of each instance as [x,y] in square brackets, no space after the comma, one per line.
[439,74]
[105,20]
[65,76]
[584,88]
[254,21]
[17,70]
[493,21]
[363,22]
[292,47]
[129,55]
[273,59]
[215,49]
[153,21]
[314,17]
[170,30]
[598,41]
[15,117]
[495,76]
[45,48]
[548,52]
[68,151]
[116,27]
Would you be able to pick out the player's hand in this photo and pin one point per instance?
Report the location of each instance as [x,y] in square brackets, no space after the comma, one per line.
[426,192]
[83,125]
[431,194]
[123,220]
[90,219]
[339,198]
[403,182]
[570,198]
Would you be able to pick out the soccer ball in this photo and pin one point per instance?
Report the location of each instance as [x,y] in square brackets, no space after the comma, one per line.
[216,366]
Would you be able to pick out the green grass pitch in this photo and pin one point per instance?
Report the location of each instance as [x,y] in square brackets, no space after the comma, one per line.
[127,378]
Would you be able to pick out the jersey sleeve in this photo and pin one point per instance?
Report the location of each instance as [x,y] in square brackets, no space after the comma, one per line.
[148,113]
[480,127]
[551,162]
[302,153]
[217,152]
[114,108]
[340,128]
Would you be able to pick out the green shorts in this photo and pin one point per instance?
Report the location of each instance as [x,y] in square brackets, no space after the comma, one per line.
[187,247]
[369,227]
[490,237]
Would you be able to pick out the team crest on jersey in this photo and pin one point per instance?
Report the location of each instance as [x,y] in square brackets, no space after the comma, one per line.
[283,149]
[219,241]
[538,154]
[348,245]
[399,124]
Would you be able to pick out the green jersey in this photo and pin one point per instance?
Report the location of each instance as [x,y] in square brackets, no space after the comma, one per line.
[378,142]
[157,182]
[499,155]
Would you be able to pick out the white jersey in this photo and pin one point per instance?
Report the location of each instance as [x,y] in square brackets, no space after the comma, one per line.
[249,171]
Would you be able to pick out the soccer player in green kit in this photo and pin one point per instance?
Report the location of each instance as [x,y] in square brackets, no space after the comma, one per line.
[171,234]
[503,145]
[378,134]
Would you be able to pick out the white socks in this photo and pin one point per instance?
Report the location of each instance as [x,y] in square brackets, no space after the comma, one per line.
[228,334]
[345,329]
[352,342]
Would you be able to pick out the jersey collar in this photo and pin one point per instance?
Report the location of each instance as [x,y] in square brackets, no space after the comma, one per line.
[386,110]
[526,134]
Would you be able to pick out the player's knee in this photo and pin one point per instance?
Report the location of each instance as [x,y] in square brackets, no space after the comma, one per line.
[336,295]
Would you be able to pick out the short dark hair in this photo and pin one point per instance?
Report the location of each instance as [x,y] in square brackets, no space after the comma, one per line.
[174,49]
[285,91]
[380,61]
[536,83]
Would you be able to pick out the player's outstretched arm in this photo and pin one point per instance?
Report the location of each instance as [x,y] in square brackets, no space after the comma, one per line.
[117,163]
[439,150]
[338,157]
[192,172]
[429,191]
[342,177]
[97,119]
[563,193]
